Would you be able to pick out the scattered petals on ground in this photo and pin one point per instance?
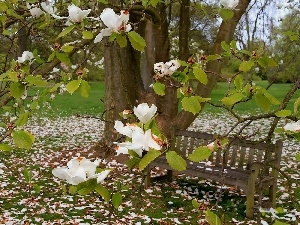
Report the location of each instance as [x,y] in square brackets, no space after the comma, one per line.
[60,139]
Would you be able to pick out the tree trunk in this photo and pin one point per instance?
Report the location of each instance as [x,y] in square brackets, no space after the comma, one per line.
[123,84]
[184,28]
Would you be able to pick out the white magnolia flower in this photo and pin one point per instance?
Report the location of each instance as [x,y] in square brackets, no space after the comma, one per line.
[229,4]
[79,170]
[166,69]
[49,8]
[36,12]
[126,130]
[115,23]
[76,15]
[293,127]
[144,113]
[26,55]
[140,142]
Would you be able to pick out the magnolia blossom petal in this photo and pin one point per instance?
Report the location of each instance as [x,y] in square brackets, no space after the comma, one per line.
[121,149]
[128,28]
[125,130]
[230,4]
[26,55]
[76,14]
[151,141]
[109,18]
[103,33]
[36,12]
[101,176]
[60,172]
[145,113]
[293,127]
[48,8]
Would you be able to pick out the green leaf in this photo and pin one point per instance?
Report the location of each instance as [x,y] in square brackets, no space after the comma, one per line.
[279,210]
[37,188]
[5,147]
[121,40]
[72,190]
[263,62]
[37,57]
[200,154]
[262,101]
[87,34]
[27,175]
[73,86]
[283,113]
[271,62]
[67,48]
[159,88]
[22,139]
[296,106]
[226,14]
[154,2]
[200,75]
[212,218]
[51,57]
[84,89]
[148,158]
[232,99]
[17,90]
[195,204]
[238,82]
[87,187]
[23,118]
[297,156]
[133,162]
[136,41]
[271,98]
[36,81]
[105,194]
[63,57]
[191,104]
[54,88]
[176,161]
[116,200]
[246,65]
[225,46]
[66,31]
[280,223]
[103,1]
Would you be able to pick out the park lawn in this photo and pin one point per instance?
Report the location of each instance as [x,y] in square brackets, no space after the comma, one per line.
[66,104]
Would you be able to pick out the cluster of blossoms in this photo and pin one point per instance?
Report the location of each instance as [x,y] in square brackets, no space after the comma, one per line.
[165,69]
[114,23]
[79,170]
[140,140]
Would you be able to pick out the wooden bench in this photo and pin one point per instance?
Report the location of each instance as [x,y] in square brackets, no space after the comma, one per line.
[238,166]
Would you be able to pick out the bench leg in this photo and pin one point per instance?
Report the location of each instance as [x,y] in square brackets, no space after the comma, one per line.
[272,195]
[250,205]
[148,176]
[169,175]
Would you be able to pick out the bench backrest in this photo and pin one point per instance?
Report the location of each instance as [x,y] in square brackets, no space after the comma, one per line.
[240,155]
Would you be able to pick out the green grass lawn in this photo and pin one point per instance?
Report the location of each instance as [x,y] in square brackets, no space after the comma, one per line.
[67,104]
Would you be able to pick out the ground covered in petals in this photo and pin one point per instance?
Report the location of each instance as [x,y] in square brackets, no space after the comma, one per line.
[61,138]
